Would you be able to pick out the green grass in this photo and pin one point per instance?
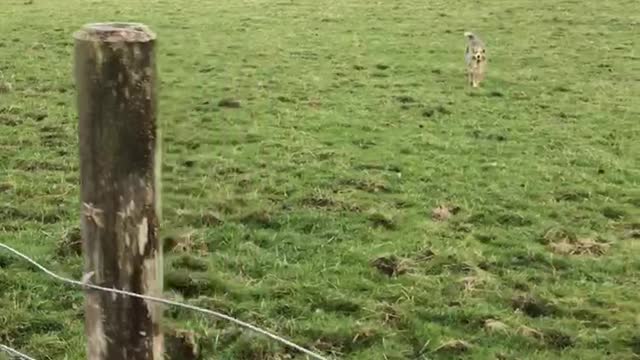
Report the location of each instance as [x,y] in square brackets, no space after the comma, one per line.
[355,123]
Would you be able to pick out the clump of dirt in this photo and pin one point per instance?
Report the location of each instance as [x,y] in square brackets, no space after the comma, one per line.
[561,88]
[391,265]
[5,260]
[453,347]
[475,277]
[443,110]
[374,186]
[495,326]
[285,99]
[390,315]
[325,201]
[565,242]
[193,283]
[551,337]
[529,332]
[634,344]
[557,339]
[513,220]
[613,213]
[425,255]
[343,340]
[405,99]
[183,242]
[9,120]
[260,218]
[572,195]
[631,231]
[428,112]
[211,218]
[533,306]
[497,137]
[70,244]
[556,235]
[318,201]
[444,212]
[383,220]
[229,103]
[181,345]
[470,283]
[440,109]
[580,247]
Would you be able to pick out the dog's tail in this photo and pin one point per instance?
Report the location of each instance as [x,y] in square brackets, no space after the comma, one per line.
[469,35]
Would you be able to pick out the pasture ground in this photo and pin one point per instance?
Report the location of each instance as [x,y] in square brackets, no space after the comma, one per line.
[309,208]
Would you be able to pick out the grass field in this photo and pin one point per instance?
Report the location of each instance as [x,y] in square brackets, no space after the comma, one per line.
[361,200]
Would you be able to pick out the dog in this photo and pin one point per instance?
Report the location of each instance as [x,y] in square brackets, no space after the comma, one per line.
[475,56]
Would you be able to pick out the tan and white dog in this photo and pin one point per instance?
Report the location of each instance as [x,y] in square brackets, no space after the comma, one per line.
[475,56]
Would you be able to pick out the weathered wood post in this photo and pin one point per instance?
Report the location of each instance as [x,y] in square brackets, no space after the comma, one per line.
[115,73]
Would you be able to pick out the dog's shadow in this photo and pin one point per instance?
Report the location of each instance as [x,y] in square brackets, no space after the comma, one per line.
[496,87]
[493,87]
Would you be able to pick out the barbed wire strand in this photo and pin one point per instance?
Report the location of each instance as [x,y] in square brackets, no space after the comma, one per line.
[85,283]
[15,353]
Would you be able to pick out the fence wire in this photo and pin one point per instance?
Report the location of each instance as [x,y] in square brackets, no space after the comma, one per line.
[85,283]
[15,354]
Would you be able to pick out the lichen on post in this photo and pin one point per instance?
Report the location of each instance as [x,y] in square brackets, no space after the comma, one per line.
[115,73]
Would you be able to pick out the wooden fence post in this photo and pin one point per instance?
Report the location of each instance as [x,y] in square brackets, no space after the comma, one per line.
[115,73]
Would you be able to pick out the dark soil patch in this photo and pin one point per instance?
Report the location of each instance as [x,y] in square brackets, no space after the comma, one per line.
[181,345]
[70,244]
[229,103]
[390,265]
[613,213]
[533,306]
[405,99]
[211,219]
[382,220]
[557,339]
[260,218]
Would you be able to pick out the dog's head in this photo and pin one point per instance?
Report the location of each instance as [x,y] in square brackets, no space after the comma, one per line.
[478,54]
